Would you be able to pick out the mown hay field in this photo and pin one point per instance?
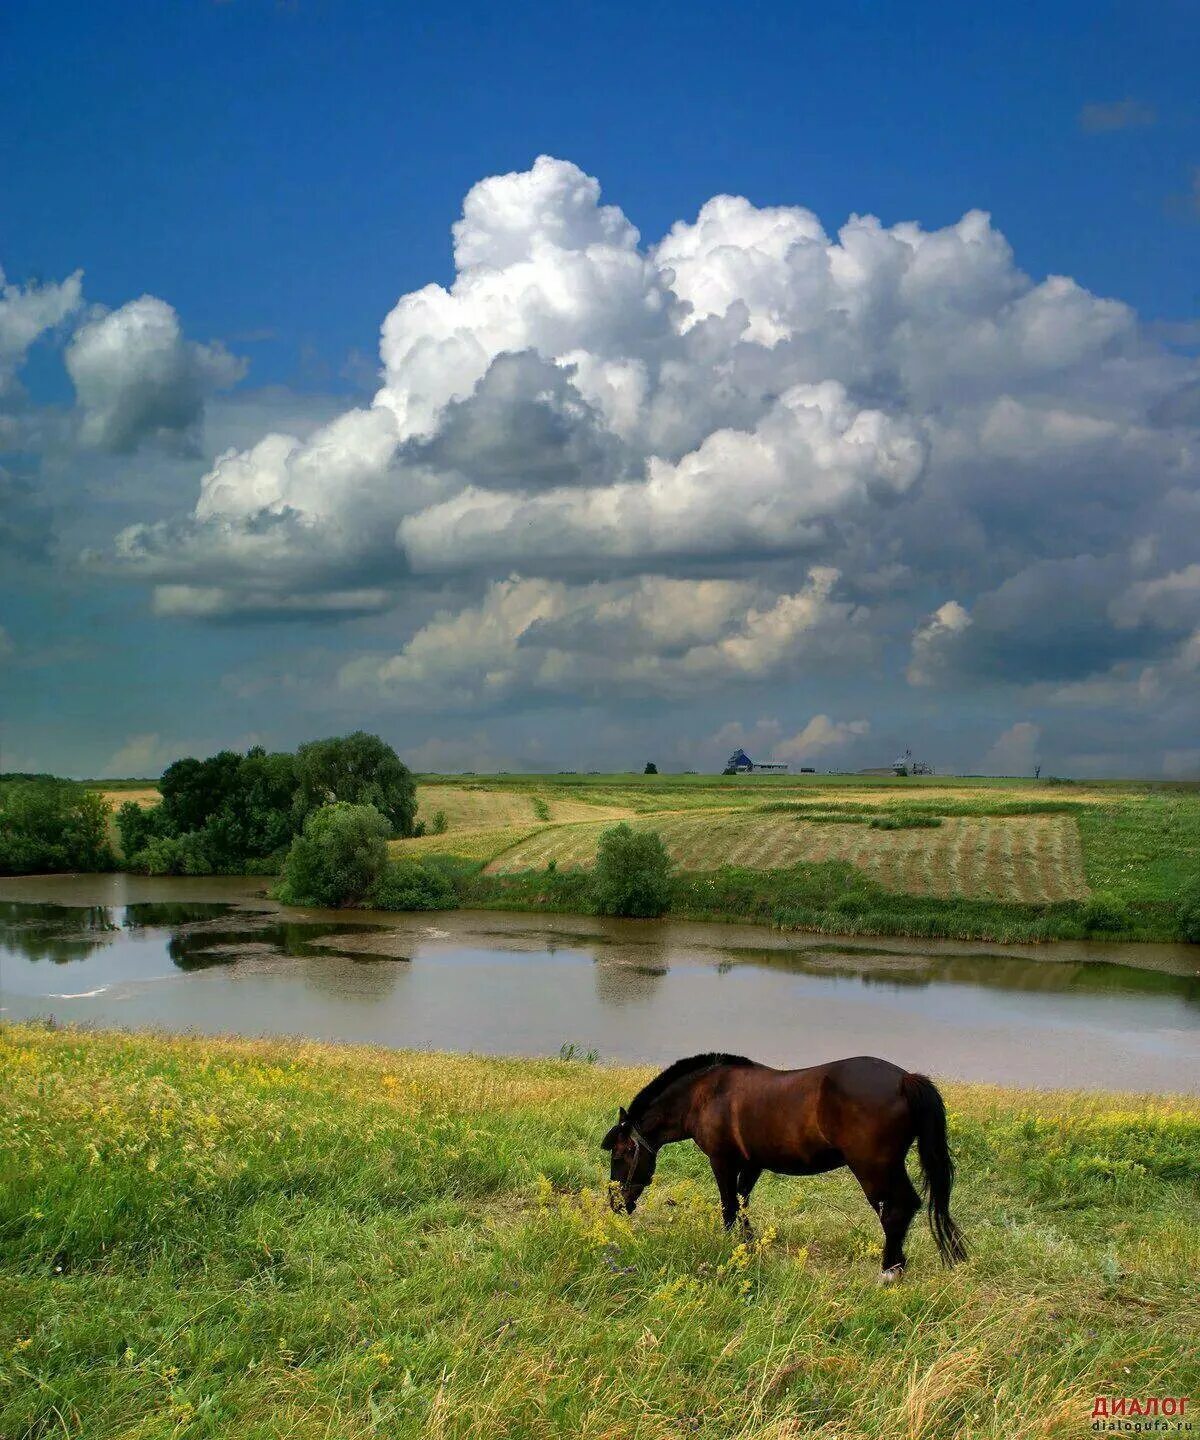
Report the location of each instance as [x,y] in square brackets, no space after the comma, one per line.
[1024,858]
[208,1239]
[478,806]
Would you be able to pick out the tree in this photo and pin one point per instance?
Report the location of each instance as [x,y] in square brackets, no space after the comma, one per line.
[137,825]
[53,825]
[633,873]
[651,768]
[360,769]
[341,854]
[257,818]
[195,790]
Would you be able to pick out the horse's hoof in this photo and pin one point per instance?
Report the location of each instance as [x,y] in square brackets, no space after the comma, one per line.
[891,1274]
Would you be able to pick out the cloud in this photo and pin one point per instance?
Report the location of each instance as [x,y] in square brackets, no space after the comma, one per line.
[622,466]
[653,636]
[1015,751]
[28,312]
[1103,117]
[137,379]
[934,640]
[821,735]
[142,756]
[212,602]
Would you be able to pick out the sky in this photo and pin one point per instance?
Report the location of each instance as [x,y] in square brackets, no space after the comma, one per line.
[552,387]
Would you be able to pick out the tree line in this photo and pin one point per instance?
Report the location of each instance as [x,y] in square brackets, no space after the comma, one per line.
[227,814]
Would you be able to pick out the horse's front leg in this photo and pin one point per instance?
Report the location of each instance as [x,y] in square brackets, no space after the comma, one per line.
[725,1172]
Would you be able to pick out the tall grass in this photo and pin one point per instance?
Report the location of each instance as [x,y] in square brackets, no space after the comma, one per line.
[235,1238]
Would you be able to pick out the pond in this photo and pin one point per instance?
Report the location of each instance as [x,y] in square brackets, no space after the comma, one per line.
[216,956]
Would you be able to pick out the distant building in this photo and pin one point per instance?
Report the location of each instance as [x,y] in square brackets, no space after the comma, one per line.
[739,763]
[906,765]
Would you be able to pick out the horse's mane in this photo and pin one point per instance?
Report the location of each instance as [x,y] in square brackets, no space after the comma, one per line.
[648,1094]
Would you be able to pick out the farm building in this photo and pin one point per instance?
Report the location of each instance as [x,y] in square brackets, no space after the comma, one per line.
[906,765]
[739,763]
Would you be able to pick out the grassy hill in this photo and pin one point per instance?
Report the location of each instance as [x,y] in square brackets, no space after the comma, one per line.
[236,1238]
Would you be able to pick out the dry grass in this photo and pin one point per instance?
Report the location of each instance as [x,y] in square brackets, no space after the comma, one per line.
[478,807]
[146,796]
[1024,857]
[483,844]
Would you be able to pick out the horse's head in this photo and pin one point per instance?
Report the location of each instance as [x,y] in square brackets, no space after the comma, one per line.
[633,1159]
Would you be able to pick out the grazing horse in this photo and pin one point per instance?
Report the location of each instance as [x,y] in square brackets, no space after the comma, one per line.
[863,1113]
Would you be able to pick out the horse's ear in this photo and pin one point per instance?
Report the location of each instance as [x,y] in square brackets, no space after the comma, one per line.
[610,1139]
[622,1116]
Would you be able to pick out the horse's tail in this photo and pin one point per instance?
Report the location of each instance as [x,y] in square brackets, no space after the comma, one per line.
[929,1120]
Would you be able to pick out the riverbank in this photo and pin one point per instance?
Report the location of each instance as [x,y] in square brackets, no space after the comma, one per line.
[216,1238]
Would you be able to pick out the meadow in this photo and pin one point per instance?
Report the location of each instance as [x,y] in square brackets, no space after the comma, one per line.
[939,856]
[216,1238]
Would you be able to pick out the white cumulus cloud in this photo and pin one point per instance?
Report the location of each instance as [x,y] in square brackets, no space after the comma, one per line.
[136,377]
[583,420]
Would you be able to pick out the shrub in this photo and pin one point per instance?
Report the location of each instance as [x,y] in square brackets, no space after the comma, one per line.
[360,769]
[1104,914]
[48,825]
[411,885]
[175,855]
[341,854]
[651,768]
[633,873]
[1189,917]
[439,823]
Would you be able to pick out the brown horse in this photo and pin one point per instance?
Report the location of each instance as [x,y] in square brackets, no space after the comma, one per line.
[863,1113]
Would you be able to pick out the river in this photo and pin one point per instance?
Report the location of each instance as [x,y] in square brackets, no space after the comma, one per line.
[215,956]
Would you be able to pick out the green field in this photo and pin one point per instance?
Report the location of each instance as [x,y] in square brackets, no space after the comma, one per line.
[953,856]
[252,1239]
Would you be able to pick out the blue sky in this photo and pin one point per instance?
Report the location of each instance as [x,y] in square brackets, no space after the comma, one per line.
[278,176]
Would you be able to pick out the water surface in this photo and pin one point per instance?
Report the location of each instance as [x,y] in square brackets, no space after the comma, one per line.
[216,956]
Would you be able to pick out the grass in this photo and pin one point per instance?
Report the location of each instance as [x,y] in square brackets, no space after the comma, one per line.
[236,1238]
[1021,858]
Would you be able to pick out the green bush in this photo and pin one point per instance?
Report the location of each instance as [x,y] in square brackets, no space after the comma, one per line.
[633,873]
[439,824]
[175,855]
[1189,917]
[411,885]
[52,825]
[1104,915]
[341,854]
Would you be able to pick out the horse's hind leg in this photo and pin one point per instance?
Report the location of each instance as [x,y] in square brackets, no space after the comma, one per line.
[748,1177]
[895,1201]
